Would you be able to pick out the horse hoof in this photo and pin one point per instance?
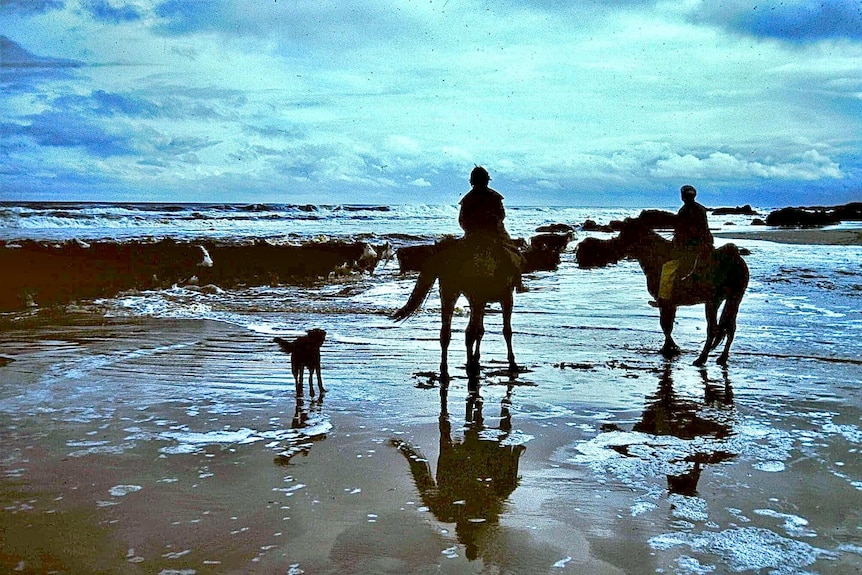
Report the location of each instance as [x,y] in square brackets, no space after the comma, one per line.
[722,360]
[670,351]
[699,362]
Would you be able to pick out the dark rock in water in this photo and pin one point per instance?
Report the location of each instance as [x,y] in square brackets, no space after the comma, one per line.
[851,212]
[411,258]
[556,229]
[745,210]
[757,222]
[592,226]
[54,274]
[658,219]
[815,216]
[542,253]
[593,252]
[801,217]
[653,219]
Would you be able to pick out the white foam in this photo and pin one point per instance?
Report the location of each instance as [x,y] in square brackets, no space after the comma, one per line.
[122,490]
[746,549]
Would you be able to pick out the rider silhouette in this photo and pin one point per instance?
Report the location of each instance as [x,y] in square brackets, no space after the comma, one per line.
[692,240]
[481,217]
[482,210]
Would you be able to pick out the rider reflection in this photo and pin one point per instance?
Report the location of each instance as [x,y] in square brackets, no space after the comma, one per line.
[668,414]
[475,475]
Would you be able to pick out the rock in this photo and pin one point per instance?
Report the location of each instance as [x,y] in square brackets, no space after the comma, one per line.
[658,219]
[802,217]
[745,210]
[556,229]
[592,226]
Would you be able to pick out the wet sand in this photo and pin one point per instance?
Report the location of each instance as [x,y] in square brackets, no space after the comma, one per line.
[173,447]
[178,446]
[799,236]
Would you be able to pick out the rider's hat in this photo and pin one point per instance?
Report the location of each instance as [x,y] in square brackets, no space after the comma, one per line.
[688,191]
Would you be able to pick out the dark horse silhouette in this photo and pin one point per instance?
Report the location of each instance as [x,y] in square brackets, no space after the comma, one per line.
[484,271]
[723,277]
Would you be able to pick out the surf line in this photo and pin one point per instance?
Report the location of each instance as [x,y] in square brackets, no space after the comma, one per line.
[813,357]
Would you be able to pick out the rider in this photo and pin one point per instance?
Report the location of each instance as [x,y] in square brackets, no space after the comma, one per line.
[692,241]
[482,209]
[482,214]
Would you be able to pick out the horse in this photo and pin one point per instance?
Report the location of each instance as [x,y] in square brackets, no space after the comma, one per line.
[484,271]
[723,277]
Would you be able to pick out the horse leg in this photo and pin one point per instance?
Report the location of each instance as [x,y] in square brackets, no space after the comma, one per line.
[667,315]
[473,335]
[508,304]
[711,332]
[447,310]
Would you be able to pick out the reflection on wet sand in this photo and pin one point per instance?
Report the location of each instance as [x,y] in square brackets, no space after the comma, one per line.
[306,427]
[666,413]
[475,475]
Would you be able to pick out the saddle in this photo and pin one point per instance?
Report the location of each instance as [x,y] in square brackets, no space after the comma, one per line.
[487,255]
[687,274]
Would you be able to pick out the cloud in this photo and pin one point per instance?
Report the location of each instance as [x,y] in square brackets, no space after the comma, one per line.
[113,11]
[329,25]
[795,21]
[808,166]
[56,129]
[30,6]
[396,99]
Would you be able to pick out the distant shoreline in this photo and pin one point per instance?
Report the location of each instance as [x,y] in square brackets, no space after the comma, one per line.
[799,236]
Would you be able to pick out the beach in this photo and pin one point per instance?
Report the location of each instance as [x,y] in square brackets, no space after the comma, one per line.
[159,432]
[820,237]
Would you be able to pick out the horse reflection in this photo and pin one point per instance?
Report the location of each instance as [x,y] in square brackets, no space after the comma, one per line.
[305,428]
[668,414]
[474,475]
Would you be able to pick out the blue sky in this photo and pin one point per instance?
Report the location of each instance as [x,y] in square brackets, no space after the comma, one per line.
[373,101]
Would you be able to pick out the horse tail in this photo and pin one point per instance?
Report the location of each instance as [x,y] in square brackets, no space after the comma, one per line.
[420,292]
[725,322]
[736,278]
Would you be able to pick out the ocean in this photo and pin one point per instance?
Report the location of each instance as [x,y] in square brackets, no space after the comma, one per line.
[605,428]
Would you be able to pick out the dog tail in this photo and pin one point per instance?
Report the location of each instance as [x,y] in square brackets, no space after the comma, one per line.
[423,286]
[286,346]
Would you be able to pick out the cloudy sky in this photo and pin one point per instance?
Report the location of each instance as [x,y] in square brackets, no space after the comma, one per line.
[381,101]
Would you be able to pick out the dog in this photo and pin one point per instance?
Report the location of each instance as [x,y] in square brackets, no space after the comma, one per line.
[305,354]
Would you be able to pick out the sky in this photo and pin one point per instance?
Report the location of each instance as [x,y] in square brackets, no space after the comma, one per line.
[377,101]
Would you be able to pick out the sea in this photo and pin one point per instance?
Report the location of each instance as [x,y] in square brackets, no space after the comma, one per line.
[825,279]
[789,417]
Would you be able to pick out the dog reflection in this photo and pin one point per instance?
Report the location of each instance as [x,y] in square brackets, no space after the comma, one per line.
[668,414]
[474,475]
[307,415]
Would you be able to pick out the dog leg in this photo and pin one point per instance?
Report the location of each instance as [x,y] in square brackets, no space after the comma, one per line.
[320,381]
[299,377]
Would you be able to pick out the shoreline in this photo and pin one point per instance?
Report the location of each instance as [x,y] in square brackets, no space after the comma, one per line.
[817,237]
